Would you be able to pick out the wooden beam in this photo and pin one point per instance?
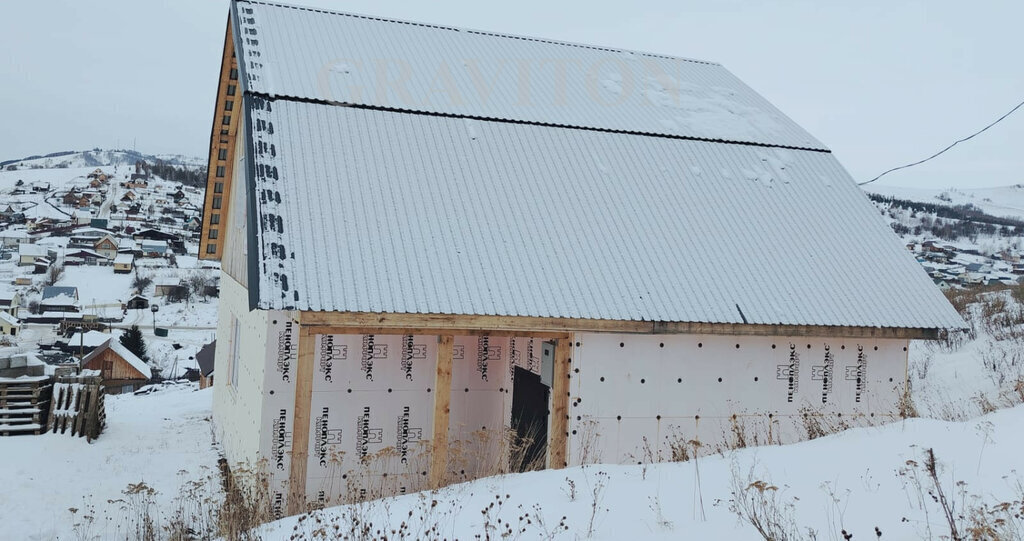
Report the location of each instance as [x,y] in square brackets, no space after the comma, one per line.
[523,325]
[300,422]
[220,141]
[433,331]
[442,408]
[558,421]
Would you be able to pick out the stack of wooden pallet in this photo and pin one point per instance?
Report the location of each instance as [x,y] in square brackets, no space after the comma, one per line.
[24,403]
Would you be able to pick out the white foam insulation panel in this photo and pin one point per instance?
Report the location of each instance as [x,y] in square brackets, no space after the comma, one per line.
[371,415]
[635,397]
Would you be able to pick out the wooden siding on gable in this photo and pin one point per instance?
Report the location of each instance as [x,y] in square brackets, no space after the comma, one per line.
[220,169]
[113,367]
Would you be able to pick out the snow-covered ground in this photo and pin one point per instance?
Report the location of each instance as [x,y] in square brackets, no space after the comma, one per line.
[162,439]
[848,481]
[856,480]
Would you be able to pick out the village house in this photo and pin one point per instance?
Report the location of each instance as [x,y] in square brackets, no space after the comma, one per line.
[59,299]
[169,287]
[127,246]
[82,217]
[28,253]
[106,246]
[10,301]
[648,253]
[97,174]
[124,263]
[7,212]
[11,238]
[83,256]
[87,237]
[41,265]
[121,370]
[153,234]
[153,248]
[9,325]
[83,342]
[134,184]
[75,198]
[137,302]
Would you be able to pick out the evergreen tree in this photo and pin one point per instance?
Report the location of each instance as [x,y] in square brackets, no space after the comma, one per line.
[133,341]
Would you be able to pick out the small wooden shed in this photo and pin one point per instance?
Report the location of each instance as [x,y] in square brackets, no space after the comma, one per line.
[122,371]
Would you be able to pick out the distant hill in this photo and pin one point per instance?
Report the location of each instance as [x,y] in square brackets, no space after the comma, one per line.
[1003,201]
[98,157]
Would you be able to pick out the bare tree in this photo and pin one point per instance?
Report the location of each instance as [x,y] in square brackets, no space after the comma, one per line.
[54,274]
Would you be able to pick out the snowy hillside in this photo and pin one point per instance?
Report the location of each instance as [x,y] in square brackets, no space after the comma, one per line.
[98,158]
[962,238]
[62,212]
[1004,201]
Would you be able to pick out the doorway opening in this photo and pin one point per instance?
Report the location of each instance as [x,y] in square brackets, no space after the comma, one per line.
[529,421]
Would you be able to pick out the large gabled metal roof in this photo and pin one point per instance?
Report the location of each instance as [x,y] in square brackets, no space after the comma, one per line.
[710,207]
[322,55]
[373,211]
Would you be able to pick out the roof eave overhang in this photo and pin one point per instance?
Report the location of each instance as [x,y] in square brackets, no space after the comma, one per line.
[386,323]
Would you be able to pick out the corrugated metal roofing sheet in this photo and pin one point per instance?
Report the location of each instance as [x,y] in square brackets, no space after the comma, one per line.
[338,57]
[376,211]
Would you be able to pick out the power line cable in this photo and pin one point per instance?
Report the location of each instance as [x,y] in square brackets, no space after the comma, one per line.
[943,151]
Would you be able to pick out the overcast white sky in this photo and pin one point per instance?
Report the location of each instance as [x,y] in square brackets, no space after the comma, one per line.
[881,82]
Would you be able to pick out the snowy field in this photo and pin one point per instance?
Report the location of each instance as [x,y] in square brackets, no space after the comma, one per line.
[850,481]
[162,439]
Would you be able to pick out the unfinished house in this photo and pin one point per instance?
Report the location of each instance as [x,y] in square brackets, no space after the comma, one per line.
[432,238]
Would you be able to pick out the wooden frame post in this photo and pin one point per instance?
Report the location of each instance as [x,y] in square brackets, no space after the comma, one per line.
[442,408]
[300,422]
[558,425]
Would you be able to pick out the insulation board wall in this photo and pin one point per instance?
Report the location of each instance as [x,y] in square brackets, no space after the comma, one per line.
[635,398]
[278,412]
[372,410]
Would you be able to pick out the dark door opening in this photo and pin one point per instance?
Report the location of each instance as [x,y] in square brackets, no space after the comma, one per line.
[530,421]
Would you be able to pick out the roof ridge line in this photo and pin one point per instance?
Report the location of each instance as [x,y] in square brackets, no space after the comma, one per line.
[481,32]
[317,101]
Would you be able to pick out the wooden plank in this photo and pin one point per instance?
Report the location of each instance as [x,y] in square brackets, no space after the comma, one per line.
[55,400]
[558,422]
[300,422]
[429,332]
[228,63]
[90,414]
[442,409]
[519,325]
